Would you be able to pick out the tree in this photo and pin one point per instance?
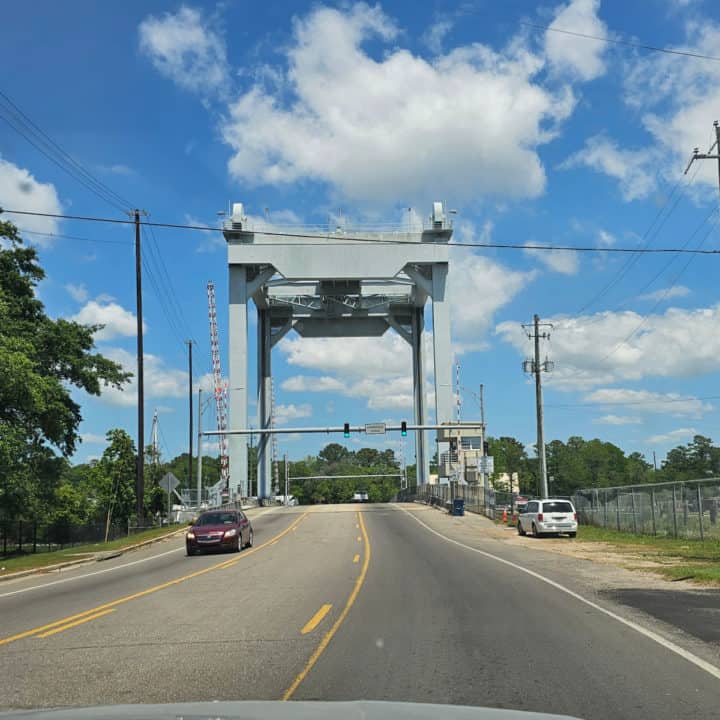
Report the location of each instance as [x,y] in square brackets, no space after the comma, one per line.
[40,361]
[333,453]
[115,477]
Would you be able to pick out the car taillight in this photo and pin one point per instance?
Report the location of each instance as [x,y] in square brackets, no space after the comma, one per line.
[575,517]
[540,517]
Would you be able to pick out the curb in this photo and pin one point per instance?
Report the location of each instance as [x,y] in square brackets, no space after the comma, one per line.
[97,557]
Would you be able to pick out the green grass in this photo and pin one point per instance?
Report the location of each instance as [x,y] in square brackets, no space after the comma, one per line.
[687,559]
[42,559]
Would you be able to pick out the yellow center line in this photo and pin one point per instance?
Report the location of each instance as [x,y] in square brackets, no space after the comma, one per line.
[356,559]
[77,622]
[331,632]
[315,620]
[154,588]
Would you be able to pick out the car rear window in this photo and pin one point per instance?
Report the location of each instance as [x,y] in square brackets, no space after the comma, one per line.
[565,507]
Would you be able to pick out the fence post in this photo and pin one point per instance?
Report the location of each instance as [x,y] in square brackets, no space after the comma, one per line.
[34,535]
[652,509]
[19,535]
[674,501]
[617,508]
[700,512]
[604,508]
[632,503]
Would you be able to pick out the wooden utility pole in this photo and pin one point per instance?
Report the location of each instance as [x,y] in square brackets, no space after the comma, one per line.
[140,470]
[190,413]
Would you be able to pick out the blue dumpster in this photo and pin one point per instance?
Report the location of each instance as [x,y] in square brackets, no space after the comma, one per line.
[458,507]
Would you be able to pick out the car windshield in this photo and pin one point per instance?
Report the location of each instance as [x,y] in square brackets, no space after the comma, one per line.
[217,519]
[557,506]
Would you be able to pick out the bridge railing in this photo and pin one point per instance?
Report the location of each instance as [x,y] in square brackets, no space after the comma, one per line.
[476,500]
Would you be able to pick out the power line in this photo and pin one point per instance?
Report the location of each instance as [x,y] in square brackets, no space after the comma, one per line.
[25,231]
[349,239]
[621,41]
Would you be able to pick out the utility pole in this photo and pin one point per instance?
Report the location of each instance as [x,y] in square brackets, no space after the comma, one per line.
[199,463]
[697,155]
[486,476]
[536,367]
[140,469]
[287,480]
[190,414]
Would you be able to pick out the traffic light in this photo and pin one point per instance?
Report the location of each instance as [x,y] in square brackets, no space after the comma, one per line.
[403,428]
[346,429]
[486,447]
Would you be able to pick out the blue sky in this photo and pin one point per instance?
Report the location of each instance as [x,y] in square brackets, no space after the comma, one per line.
[318,110]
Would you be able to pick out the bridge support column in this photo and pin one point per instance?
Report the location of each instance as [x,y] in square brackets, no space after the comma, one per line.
[421,445]
[442,349]
[238,391]
[264,404]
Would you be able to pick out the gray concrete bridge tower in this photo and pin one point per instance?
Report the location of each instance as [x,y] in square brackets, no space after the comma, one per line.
[334,284]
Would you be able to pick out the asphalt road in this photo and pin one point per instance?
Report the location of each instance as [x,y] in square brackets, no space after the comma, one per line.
[338,603]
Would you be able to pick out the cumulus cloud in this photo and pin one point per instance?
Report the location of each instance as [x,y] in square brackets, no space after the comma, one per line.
[577,55]
[651,402]
[465,124]
[19,190]
[564,262]
[605,239]
[631,168]
[115,319]
[78,293]
[609,347]
[284,413]
[673,436]
[160,380]
[433,37]
[618,420]
[184,47]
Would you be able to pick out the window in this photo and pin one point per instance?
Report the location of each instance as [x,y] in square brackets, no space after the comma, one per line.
[558,507]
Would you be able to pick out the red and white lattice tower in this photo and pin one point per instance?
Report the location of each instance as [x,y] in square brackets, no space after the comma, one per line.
[219,388]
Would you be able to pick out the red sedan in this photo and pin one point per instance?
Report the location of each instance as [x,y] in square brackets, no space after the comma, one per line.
[219,530]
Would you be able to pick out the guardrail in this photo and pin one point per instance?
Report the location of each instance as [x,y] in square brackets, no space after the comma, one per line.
[474,495]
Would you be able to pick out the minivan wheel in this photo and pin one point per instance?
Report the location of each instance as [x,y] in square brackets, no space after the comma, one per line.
[572,535]
[535,532]
[520,529]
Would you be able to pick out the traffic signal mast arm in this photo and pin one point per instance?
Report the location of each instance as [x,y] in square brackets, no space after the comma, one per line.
[338,429]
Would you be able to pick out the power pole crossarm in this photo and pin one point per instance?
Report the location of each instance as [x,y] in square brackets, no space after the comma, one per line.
[697,155]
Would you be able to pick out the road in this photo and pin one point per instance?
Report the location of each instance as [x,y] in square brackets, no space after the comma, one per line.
[414,614]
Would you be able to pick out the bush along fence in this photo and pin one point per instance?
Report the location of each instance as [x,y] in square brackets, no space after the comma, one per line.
[673,509]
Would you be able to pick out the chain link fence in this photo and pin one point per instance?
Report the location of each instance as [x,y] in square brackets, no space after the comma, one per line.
[475,498]
[673,509]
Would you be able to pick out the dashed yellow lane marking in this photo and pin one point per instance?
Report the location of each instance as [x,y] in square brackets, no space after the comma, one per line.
[315,620]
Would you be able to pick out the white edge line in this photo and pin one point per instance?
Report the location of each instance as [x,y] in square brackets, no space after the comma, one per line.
[107,570]
[667,644]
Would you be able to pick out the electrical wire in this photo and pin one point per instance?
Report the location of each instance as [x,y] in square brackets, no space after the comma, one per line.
[25,231]
[349,239]
[621,41]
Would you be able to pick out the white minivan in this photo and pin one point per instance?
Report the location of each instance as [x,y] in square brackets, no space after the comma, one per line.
[545,517]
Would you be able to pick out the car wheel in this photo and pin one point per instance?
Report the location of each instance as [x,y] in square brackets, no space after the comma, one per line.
[190,551]
[520,529]
[250,539]
[535,532]
[572,535]
[238,544]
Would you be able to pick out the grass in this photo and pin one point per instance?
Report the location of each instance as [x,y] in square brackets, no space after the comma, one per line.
[678,559]
[38,560]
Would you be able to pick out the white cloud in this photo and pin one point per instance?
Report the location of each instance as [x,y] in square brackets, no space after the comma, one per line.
[672,436]
[666,293]
[605,239]
[618,420]
[467,124]
[93,439]
[284,413]
[185,47]
[115,319]
[78,293]
[160,380]
[433,37]
[304,383]
[564,262]
[576,55]
[610,347]
[651,402]
[632,168]
[19,190]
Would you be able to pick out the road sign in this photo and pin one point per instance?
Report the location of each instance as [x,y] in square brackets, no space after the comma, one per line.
[375,429]
[168,482]
[487,464]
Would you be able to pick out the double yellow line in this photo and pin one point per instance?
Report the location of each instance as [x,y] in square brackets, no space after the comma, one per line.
[331,632]
[101,610]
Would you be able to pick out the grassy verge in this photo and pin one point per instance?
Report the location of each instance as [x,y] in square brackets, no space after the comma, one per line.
[38,560]
[677,559]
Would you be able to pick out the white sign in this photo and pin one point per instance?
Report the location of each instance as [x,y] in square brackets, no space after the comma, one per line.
[487,464]
[168,482]
[375,429]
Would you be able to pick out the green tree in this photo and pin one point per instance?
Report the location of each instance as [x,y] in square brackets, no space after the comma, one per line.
[41,360]
[114,477]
